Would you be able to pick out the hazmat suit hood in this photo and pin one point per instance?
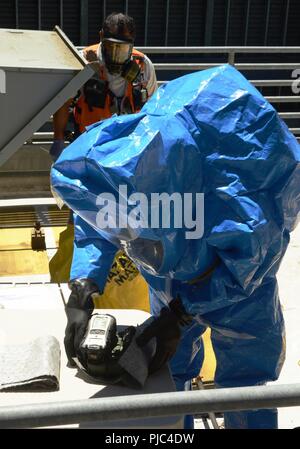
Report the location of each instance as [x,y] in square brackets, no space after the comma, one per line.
[209,133]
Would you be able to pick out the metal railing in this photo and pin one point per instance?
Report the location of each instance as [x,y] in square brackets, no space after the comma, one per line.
[282,95]
[149,405]
[231,53]
[247,12]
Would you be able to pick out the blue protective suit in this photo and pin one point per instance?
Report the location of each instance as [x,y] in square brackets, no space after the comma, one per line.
[209,132]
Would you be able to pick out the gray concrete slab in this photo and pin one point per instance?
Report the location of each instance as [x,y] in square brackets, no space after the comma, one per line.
[289,291]
[17,325]
[30,297]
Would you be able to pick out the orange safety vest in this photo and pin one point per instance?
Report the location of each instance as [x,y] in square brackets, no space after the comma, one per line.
[83,116]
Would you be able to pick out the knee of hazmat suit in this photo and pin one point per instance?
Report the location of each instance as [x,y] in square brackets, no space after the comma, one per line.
[201,189]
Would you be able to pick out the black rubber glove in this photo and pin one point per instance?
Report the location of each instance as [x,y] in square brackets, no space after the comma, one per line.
[79,310]
[166,328]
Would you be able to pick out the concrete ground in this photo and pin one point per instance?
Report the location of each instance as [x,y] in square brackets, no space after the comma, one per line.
[289,288]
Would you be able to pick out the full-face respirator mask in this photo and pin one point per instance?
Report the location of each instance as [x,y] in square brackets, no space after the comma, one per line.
[117,56]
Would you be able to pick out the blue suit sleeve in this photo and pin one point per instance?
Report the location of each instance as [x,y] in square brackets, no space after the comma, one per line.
[92,256]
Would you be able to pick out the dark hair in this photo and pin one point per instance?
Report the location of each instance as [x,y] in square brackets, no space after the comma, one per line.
[117,24]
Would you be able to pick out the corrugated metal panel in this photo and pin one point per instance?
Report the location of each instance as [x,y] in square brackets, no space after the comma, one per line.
[50,14]
[28,14]
[219,23]
[293,29]
[115,6]
[276,23]
[236,23]
[95,15]
[257,22]
[177,16]
[230,16]
[7,14]
[267,20]
[196,23]
[157,23]
[71,24]
[137,10]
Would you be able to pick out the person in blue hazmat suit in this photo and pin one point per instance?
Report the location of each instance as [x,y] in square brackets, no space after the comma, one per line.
[212,140]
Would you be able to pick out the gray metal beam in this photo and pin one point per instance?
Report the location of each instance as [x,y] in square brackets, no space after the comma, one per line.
[272,82]
[39,15]
[43,136]
[84,21]
[227,21]
[247,21]
[260,83]
[289,115]
[17,13]
[187,17]
[146,22]
[287,11]
[167,21]
[21,202]
[267,21]
[295,131]
[220,50]
[210,6]
[61,14]
[253,66]
[289,99]
[149,405]
[104,9]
